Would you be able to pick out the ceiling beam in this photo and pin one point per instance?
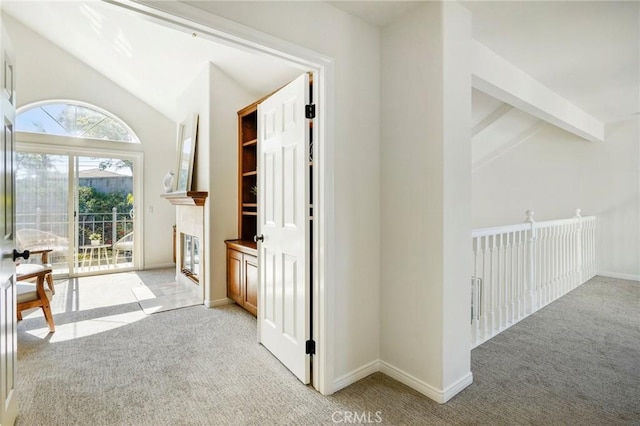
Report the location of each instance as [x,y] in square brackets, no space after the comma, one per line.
[499,78]
[491,118]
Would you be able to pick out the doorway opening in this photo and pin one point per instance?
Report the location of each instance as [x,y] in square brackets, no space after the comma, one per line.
[210,27]
[322,69]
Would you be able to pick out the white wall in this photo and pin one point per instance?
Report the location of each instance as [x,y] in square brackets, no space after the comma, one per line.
[227,97]
[354,46]
[554,172]
[195,99]
[425,187]
[44,71]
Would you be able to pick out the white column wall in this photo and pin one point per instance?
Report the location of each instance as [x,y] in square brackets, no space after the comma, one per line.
[456,305]
[195,99]
[227,98]
[425,199]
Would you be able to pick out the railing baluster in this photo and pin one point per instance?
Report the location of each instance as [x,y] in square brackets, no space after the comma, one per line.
[541,265]
[500,281]
[492,285]
[474,296]
[518,275]
[485,287]
[513,279]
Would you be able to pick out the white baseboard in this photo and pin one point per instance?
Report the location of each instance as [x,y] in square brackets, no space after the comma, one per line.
[355,375]
[219,302]
[631,277]
[438,395]
[414,383]
[458,386]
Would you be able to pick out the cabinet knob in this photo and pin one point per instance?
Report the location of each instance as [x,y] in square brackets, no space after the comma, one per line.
[257,238]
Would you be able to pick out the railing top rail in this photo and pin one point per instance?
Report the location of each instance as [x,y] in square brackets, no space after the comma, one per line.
[557,222]
[497,230]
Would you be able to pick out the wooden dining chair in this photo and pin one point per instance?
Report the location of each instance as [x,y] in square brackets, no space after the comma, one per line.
[33,294]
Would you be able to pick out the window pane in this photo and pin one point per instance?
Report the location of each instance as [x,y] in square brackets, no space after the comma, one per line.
[73,120]
[42,219]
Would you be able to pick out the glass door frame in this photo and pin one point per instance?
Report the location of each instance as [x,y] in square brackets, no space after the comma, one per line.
[80,147]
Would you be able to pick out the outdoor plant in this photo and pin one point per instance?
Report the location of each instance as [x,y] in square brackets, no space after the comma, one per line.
[94,236]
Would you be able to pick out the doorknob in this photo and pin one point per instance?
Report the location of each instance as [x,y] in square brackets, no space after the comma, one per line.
[17,254]
[258,238]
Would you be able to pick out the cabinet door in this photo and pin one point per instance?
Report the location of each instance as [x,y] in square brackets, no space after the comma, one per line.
[234,276]
[251,280]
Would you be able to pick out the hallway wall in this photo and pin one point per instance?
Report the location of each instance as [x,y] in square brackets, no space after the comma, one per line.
[554,172]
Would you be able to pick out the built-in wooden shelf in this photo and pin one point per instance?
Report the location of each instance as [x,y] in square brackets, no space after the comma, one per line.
[249,204]
[250,213]
[251,173]
[186,198]
[250,143]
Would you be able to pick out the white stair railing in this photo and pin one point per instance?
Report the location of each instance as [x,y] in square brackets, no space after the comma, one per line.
[519,269]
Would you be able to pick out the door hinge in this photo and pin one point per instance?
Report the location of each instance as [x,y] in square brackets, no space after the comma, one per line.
[310,111]
[310,347]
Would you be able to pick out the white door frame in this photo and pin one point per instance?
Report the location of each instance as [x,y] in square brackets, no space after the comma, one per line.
[185,18]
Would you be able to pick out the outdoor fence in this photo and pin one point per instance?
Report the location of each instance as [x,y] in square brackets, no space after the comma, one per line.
[519,269]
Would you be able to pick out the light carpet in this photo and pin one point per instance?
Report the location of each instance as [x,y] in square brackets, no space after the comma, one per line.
[575,362]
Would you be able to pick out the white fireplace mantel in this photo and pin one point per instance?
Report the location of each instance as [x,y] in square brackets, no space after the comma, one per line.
[186,198]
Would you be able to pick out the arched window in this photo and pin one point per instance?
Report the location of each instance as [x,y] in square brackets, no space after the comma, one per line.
[74,119]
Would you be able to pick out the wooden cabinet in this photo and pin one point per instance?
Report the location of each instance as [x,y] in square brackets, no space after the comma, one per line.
[242,274]
[242,254]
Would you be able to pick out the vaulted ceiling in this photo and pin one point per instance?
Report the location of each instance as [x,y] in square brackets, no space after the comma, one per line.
[153,62]
[586,52]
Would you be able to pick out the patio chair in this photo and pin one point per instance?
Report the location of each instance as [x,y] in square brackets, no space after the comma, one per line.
[124,244]
[33,295]
[35,239]
[45,244]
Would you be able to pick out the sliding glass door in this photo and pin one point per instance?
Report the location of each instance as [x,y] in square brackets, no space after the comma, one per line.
[80,207]
[42,206]
[104,214]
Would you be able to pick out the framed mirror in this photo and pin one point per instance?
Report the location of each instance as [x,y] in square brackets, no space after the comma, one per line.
[187,137]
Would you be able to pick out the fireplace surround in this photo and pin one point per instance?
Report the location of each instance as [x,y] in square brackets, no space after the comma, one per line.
[190,250]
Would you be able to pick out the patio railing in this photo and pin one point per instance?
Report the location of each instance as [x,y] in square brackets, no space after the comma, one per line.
[111,226]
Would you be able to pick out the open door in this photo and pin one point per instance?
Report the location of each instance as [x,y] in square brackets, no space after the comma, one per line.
[8,332]
[283,228]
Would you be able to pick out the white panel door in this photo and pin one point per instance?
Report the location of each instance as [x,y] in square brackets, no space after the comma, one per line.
[8,333]
[283,306]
